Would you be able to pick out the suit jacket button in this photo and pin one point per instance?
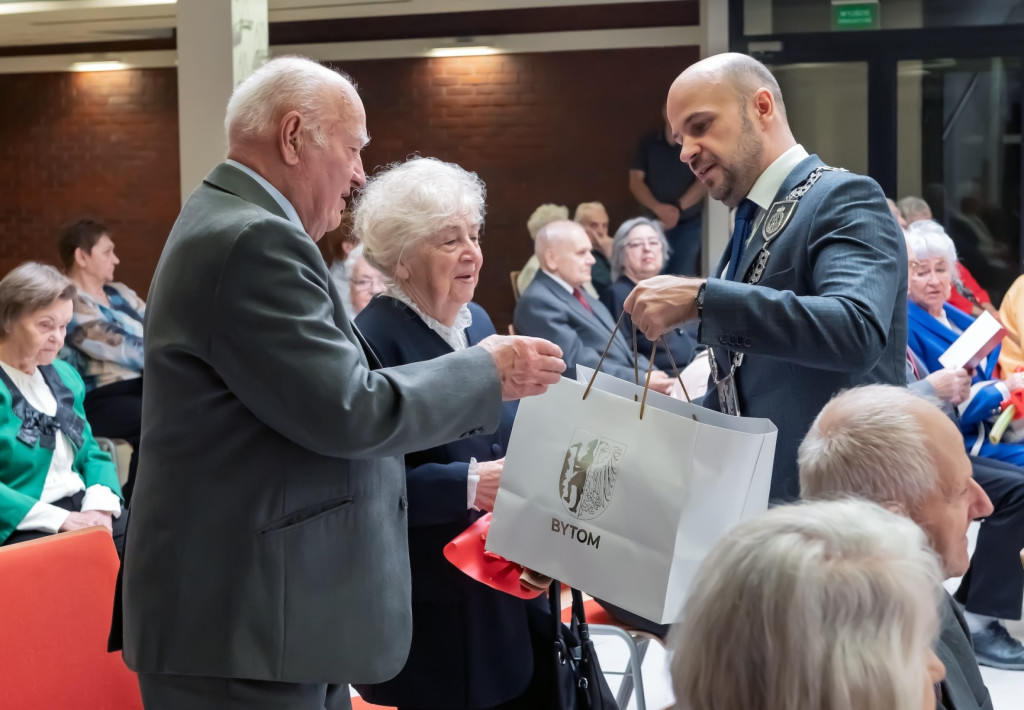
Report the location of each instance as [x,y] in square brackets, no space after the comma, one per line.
[403,503]
[723,340]
[746,342]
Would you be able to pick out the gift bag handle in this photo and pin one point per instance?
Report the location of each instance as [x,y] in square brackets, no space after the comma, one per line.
[636,371]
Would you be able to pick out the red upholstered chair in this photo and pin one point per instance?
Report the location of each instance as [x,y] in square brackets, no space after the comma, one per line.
[56,595]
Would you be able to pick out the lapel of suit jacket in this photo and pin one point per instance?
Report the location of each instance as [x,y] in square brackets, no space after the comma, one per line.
[795,177]
[230,179]
[576,307]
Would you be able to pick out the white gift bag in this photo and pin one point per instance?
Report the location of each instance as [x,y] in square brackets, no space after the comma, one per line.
[622,508]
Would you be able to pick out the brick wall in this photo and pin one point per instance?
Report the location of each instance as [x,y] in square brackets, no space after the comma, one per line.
[538,128]
[102,145]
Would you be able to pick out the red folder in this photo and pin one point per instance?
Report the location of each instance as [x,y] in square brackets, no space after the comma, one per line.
[468,554]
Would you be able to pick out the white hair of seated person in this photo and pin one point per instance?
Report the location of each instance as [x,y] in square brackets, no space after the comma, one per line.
[544,215]
[815,605]
[618,257]
[285,84]
[927,239]
[350,261]
[554,233]
[913,209]
[409,202]
[869,442]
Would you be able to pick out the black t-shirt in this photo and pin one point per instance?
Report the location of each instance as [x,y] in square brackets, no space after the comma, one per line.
[666,176]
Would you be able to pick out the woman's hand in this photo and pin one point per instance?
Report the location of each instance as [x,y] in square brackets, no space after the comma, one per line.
[951,385]
[88,519]
[487,487]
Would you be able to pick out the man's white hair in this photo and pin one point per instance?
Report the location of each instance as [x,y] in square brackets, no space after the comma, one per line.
[281,85]
[927,239]
[409,202]
[869,442]
[554,233]
[815,605]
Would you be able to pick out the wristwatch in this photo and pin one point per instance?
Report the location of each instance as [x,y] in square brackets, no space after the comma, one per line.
[699,300]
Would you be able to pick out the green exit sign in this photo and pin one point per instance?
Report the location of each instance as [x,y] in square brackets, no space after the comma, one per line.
[855,16]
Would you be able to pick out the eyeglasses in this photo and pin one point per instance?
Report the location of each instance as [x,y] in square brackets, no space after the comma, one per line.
[652,244]
[366,284]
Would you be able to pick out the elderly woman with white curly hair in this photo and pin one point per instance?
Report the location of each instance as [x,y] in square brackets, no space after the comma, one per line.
[420,224]
[934,325]
[810,606]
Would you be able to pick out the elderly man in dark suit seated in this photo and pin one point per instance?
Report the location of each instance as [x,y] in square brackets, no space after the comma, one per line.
[892,447]
[556,307]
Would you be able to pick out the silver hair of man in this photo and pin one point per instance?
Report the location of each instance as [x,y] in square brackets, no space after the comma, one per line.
[622,236]
[927,239]
[544,215]
[868,442]
[815,605]
[914,208]
[555,232]
[281,85]
[29,287]
[407,203]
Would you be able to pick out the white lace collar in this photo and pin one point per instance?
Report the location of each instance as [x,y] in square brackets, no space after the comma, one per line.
[454,335]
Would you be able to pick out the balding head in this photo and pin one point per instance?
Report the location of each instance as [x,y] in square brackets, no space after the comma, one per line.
[563,249]
[889,446]
[727,114]
[301,126]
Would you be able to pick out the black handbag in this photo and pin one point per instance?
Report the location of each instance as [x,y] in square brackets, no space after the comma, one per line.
[579,683]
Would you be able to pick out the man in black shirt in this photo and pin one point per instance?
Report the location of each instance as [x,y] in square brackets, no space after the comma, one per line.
[674,196]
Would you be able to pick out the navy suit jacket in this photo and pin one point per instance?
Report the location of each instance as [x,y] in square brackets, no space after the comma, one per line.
[829,313]
[470,643]
[546,310]
[681,344]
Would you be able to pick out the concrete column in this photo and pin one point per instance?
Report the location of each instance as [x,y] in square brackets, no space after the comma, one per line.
[220,43]
[717,224]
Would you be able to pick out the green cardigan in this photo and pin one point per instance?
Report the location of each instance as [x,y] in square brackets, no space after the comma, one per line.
[23,468]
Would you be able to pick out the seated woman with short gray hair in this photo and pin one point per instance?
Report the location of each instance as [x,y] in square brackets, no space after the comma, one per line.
[53,475]
[639,251]
[816,605]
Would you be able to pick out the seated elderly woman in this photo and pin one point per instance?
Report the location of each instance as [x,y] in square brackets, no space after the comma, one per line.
[817,605]
[639,250]
[104,340]
[53,476]
[420,224]
[934,325]
[364,281]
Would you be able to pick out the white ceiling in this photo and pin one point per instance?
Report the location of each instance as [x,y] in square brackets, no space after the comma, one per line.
[42,22]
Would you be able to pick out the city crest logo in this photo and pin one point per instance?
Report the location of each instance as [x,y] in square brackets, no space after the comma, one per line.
[588,475]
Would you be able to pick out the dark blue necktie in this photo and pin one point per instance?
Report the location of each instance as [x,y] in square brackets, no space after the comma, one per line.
[745,213]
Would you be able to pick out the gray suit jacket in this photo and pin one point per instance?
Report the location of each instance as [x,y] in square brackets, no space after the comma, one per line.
[267,537]
[963,688]
[546,310]
[830,311]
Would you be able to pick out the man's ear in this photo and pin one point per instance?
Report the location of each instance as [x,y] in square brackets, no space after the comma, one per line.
[764,104]
[290,137]
[80,256]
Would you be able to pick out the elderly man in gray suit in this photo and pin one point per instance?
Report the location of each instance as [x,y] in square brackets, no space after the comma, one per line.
[267,554]
[556,306]
[892,447]
[810,296]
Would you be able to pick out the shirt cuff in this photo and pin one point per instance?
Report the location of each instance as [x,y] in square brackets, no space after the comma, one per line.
[472,481]
[44,517]
[99,497]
